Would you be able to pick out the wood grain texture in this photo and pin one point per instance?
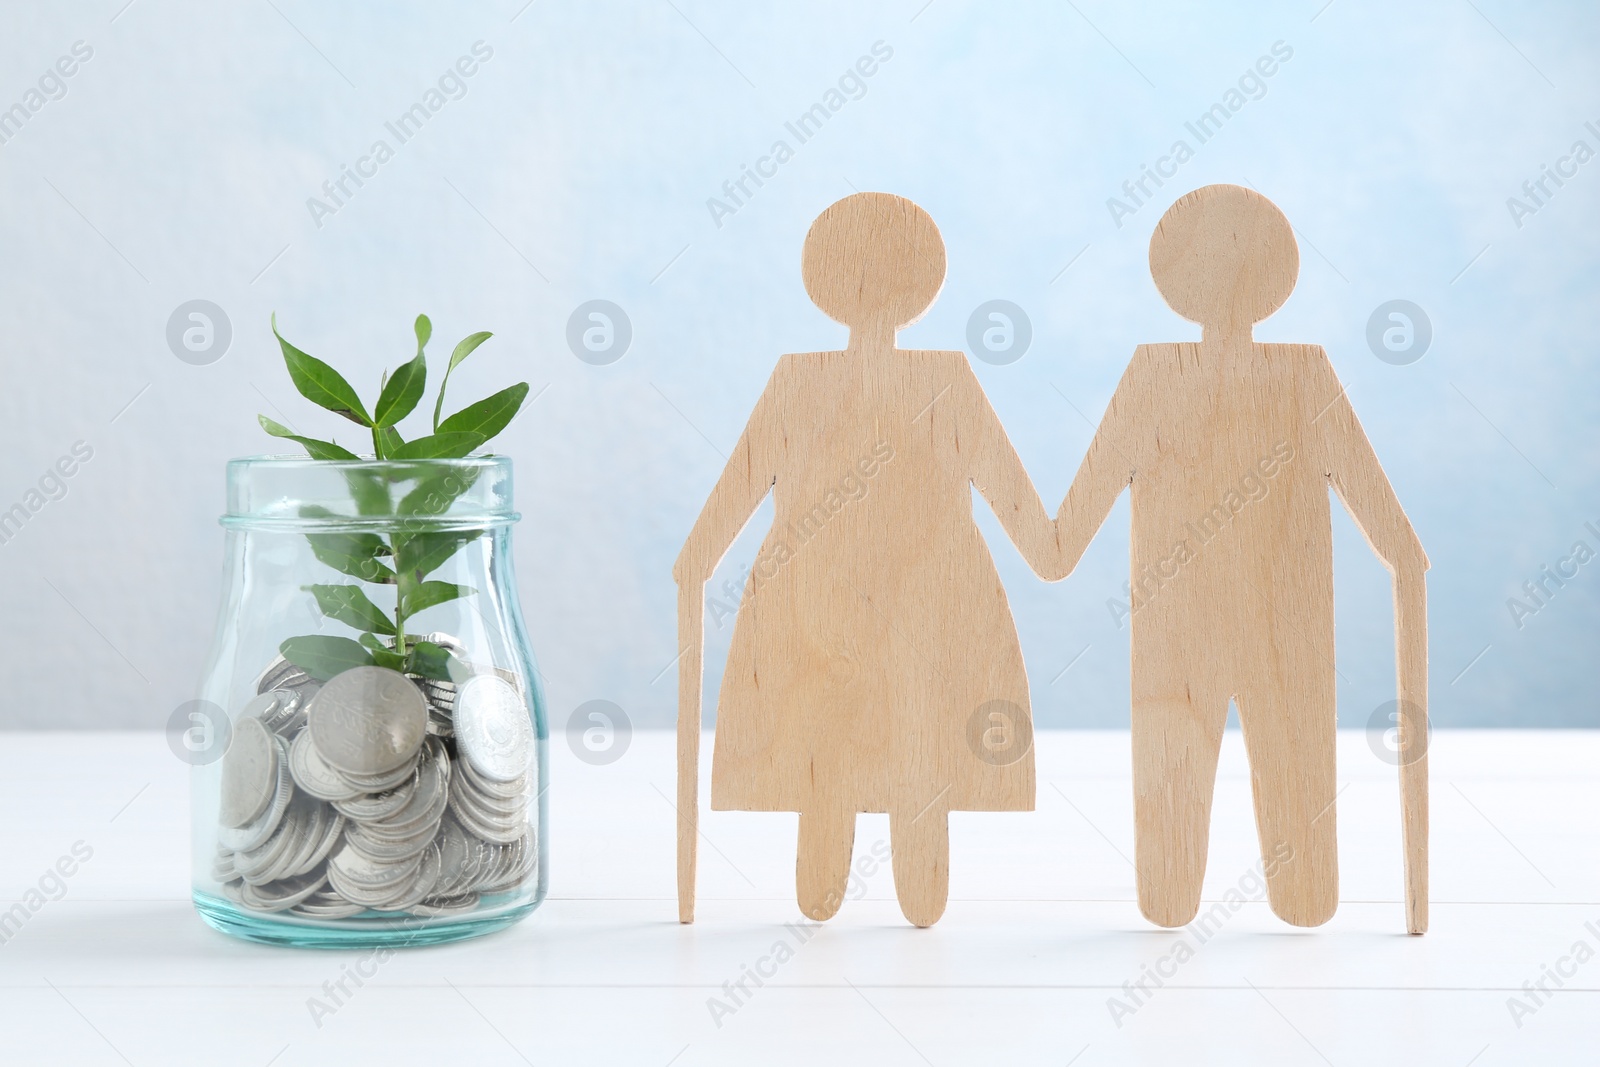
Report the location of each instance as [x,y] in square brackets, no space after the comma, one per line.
[1230,448]
[874,662]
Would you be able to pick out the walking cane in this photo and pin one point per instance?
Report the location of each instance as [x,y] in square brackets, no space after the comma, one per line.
[691,638]
[1411,670]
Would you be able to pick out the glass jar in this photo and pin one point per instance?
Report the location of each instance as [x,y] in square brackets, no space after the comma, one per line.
[375,768]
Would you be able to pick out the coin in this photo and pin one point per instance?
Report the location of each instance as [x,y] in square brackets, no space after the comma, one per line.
[312,773]
[367,795]
[441,906]
[253,834]
[258,866]
[486,828]
[422,883]
[282,895]
[379,783]
[492,727]
[278,671]
[326,903]
[368,720]
[516,787]
[249,773]
[448,642]
[368,807]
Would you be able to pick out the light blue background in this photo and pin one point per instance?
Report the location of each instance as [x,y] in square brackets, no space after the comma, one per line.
[578,166]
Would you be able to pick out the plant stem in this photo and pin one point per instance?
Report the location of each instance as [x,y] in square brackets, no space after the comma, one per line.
[399,606]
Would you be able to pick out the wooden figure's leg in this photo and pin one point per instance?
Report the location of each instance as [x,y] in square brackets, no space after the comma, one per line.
[1177,733]
[1289,733]
[822,861]
[920,844]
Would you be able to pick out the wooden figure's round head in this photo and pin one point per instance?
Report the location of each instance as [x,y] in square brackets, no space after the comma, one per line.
[873,259]
[1224,256]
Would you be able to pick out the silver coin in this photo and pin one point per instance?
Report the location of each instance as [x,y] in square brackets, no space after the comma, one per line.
[493,732]
[368,720]
[356,893]
[332,835]
[378,783]
[249,773]
[388,850]
[428,798]
[253,834]
[257,866]
[263,706]
[422,883]
[367,872]
[477,853]
[368,881]
[312,773]
[275,857]
[281,896]
[368,808]
[287,715]
[277,672]
[449,642]
[437,907]
[516,787]
[493,828]
[327,906]
[314,830]
[454,852]
[486,830]
[501,809]
[500,862]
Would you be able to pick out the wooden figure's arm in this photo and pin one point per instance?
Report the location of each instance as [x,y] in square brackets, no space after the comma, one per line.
[1110,464]
[997,471]
[1357,476]
[750,473]
[1353,469]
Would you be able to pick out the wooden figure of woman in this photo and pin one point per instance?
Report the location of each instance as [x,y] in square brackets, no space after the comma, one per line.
[874,663]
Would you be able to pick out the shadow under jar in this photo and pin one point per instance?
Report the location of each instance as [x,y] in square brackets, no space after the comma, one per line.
[375,771]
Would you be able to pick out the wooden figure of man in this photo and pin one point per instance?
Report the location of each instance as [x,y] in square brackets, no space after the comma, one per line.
[874,664]
[1230,447]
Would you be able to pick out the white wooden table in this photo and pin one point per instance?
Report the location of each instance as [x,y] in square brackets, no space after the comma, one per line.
[1041,932]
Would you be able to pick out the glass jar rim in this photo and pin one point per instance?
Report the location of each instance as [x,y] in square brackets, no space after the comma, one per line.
[296,493]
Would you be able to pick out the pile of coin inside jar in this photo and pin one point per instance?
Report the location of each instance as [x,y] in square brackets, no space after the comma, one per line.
[376,791]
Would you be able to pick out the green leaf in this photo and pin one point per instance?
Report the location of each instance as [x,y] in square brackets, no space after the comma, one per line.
[418,555]
[349,553]
[427,594]
[314,448]
[424,331]
[369,489]
[488,417]
[323,657]
[390,659]
[437,490]
[401,392]
[438,446]
[320,383]
[387,439]
[429,660]
[382,654]
[463,350]
[350,605]
[337,552]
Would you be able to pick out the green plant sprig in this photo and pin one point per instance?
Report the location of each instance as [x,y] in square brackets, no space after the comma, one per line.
[405,558]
